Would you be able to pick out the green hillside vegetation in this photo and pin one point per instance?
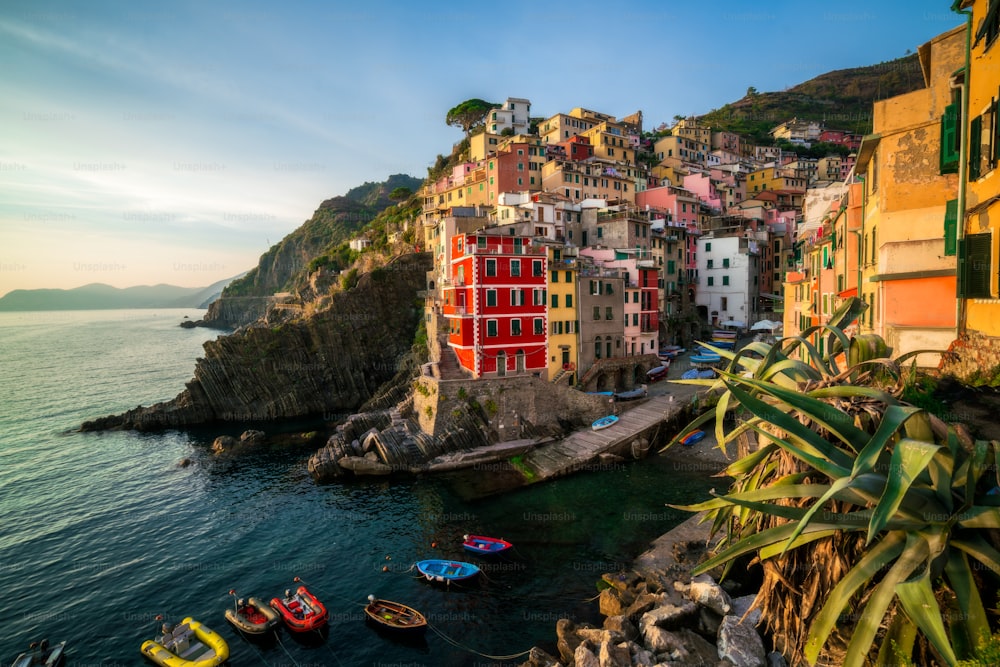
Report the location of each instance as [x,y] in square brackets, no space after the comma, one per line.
[334,222]
[842,99]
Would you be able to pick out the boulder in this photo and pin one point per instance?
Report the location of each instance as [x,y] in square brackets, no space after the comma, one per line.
[700,651]
[623,626]
[704,591]
[566,640]
[539,658]
[641,657]
[252,438]
[740,644]
[775,659]
[621,580]
[659,640]
[708,622]
[613,655]
[667,616]
[642,604]
[363,466]
[598,636]
[741,606]
[224,443]
[584,657]
[610,602]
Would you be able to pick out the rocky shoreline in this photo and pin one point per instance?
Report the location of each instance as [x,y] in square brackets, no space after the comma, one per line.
[657,614]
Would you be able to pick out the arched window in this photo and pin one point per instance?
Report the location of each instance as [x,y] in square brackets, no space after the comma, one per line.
[597,347]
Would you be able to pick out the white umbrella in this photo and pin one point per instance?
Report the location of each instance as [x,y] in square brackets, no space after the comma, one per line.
[763,325]
[736,324]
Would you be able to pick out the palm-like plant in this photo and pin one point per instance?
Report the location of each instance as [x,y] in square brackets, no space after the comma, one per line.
[866,514]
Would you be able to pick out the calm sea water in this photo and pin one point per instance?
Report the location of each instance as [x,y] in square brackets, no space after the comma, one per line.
[102,532]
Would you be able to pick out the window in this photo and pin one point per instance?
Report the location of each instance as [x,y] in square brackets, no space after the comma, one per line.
[491,267]
[517,297]
[950,135]
[725,263]
[609,313]
[708,247]
[725,280]
[491,328]
[538,297]
[539,326]
[711,281]
[536,267]
[569,274]
[975,270]
[491,297]
[991,24]
[635,319]
[569,300]
[710,263]
[950,227]
[725,303]
[555,301]
[609,289]
[635,297]
[515,268]
[597,312]
[555,276]
[515,327]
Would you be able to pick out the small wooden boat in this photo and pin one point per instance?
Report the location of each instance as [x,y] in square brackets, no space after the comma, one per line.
[446,571]
[632,395]
[658,373]
[604,422]
[692,437]
[395,617]
[40,654]
[252,616]
[485,546]
[301,611]
[189,644]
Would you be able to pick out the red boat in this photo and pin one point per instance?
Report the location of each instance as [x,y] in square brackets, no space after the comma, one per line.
[301,611]
[485,545]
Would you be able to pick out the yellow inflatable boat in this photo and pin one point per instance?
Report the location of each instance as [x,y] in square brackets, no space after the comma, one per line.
[189,644]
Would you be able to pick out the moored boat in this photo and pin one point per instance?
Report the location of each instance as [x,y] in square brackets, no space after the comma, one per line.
[43,655]
[692,437]
[658,372]
[631,395]
[252,616]
[705,359]
[480,544]
[188,644]
[446,571]
[604,422]
[301,611]
[395,617]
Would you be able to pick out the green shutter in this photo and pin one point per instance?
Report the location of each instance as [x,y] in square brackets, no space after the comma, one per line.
[950,226]
[975,266]
[975,147]
[949,136]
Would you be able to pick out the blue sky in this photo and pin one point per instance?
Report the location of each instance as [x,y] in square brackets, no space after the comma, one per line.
[175,142]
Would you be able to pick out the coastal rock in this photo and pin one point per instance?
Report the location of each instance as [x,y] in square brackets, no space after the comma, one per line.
[775,659]
[641,656]
[613,655]
[224,443]
[610,603]
[740,644]
[708,622]
[644,603]
[184,462]
[598,636]
[659,640]
[699,650]
[621,581]
[741,606]
[584,657]
[360,465]
[668,616]
[252,438]
[704,591]
[623,626]
[566,640]
[539,658]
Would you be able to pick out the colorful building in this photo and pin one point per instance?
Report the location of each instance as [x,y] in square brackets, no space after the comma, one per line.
[563,314]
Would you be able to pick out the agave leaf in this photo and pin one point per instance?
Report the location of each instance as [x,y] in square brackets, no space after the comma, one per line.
[812,353]
[720,410]
[744,465]
[870,564]
[909,458]
[972,625]
[893,417]
[751,543]
[838,485]
[847,312]
[913,555]
[940,469]
[778,549]
[840,461]
[756,495]
[979,517]
[977,463]
[978,548]
[790,369]
[899,640]
[703,418]
[854,391]
[918,601]
[806,454]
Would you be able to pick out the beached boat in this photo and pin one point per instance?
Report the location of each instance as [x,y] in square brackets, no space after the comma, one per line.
[692,437]
[691,374]
[188,644]
[632,395]
[252,616]
[706,373]
[604,422]
[658,372]
[40,654]
[300,611]
[446,571]
[485,546]
[395,617]
[705,358]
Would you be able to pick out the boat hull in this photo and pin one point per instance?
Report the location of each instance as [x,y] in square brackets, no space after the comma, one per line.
[604,422]
[485,546]
[171,654]
[446,571]
[692,437]
[301,612]
[255,617]
[53,656]
[395,618]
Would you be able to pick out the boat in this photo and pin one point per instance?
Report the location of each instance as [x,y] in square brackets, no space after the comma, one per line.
[252,616]
[658,373]
[188,644]
[41,654]
[706,373]
[395,617]
[300,611]
[690,374]
[485,546]
[632,395]
[705,358]
[604,422]
[692,437]
[446,571]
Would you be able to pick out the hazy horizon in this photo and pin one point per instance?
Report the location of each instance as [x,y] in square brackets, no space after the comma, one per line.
[152,144]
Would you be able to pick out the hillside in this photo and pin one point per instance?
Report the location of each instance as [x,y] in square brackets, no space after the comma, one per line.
[98,296]
[842,99]
[335,221]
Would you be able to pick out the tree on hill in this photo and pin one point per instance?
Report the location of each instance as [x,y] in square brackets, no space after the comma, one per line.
[469,114]
[400,194]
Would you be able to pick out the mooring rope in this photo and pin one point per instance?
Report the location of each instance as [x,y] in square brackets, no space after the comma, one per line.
[457,644]
[282,645]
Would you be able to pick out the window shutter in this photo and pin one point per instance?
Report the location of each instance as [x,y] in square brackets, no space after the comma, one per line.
[950,226]
[975,147]
[975,266]
[949,135]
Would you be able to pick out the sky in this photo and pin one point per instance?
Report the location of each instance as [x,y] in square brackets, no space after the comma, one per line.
[175,142]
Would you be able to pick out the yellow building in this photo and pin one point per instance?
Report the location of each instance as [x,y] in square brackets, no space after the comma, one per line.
[777,179]
[482,145]
[974,215]
[563,314]
[610,141]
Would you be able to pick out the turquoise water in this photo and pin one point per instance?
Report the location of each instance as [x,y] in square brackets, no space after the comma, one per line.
[102,532]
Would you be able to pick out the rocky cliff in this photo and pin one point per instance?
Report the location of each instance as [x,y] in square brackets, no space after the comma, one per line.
[325,364]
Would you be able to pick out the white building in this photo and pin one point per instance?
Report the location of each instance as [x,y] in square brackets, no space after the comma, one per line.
[729,278]
[514,114]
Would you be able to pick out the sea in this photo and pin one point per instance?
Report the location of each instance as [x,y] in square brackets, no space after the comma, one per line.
[105,536]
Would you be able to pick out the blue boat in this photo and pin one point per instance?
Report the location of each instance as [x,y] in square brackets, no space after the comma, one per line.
[705,358]
[604,422]
[485,546]
[692,437]
[446,571]
[690,374]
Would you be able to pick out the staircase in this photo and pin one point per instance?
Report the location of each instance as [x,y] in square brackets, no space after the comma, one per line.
[448,366]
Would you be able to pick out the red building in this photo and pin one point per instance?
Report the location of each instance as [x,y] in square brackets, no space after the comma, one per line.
[495,304]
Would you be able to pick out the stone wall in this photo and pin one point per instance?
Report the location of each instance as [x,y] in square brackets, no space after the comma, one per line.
[973,358]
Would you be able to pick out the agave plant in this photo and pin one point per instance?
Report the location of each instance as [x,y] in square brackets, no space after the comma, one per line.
[867,515]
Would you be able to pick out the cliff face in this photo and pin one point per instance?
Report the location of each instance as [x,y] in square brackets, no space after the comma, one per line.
[326,364]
